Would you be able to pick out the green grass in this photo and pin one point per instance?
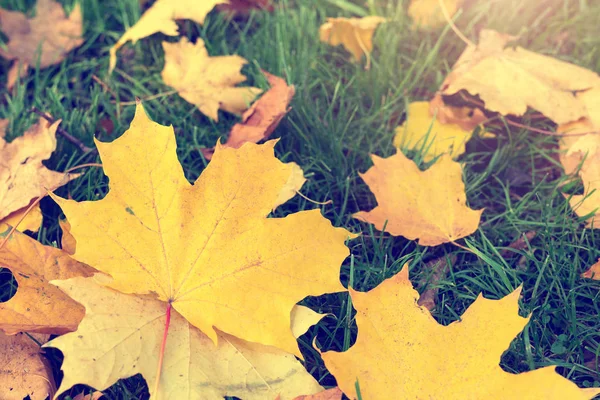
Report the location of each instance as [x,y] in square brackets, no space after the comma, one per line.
[341,114]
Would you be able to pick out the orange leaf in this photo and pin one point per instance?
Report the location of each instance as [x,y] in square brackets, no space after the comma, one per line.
[355,34]
[24,371]
[38,306]
[260,120]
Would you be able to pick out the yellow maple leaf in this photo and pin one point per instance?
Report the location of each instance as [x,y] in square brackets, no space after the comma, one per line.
[38,306]
[509,80]
[208,82]
[429,205]
[355,34]
[429,14]
[127,330]
[161,18]
[425,132]
[24,372]
[401,351]
[207,248]
[22,174]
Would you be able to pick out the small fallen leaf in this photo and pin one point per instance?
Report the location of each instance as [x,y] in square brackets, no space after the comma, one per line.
[38,306]
[429,205]
[355,34]
[429,14]
[468,118]
[237,7]
[207,82]
[423,131]
[417,358]
[260,120]
[126,331]
[589,202]
[43,40]
[161,18]
[593,272]
[23,177]
[31,222]
[207,248]
[509,80]
[575,144]
[24,371]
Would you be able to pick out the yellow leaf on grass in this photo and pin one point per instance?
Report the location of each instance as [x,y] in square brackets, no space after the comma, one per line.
[208,248]
[161,18]
[23,177]
[38,306]
[423,131]
[355,34]
[509,80]
[429,14]
[417,358]
[44,39]
[121,336]
[429,205]
[24,371]
[207,82]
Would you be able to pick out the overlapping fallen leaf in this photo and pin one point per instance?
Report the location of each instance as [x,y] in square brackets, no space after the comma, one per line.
[23,177]
[402,352]
[121,335]
[43,40]
[423,131]
[429,205]
[208,249]
[24,371]
[205,81]
[260,120]
[161,18]
[355,34]
[593,272]
[38,306]
[509,80]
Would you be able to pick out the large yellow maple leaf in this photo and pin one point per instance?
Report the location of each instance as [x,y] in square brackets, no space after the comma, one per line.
[423,130]
[38,306]
[509,80]
[121,336]
[208,82]
[401,351]
[429,205]
[207,248]
[161,18]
